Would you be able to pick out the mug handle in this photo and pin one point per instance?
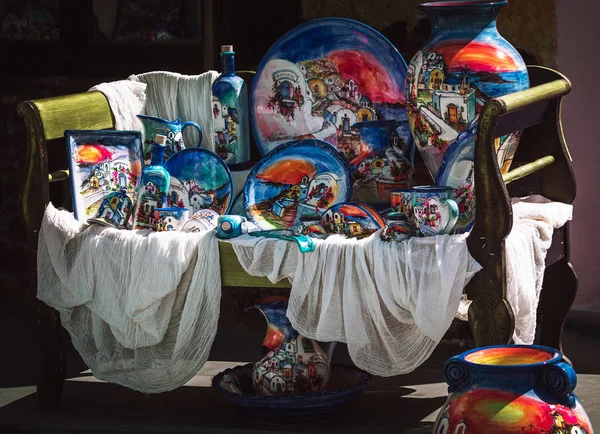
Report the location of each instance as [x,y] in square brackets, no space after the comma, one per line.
[195,125]
[453,208]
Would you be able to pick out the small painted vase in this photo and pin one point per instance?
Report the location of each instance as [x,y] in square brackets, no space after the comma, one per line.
[292,364]
[511,389]
[152,189]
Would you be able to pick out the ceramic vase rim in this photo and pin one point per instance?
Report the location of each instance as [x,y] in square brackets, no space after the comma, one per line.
[555,356]
[431,188]
[455,4]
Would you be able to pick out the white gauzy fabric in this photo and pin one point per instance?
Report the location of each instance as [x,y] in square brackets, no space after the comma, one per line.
[126,100]
[170,95]
[390,302]
[141,307]
[534,220]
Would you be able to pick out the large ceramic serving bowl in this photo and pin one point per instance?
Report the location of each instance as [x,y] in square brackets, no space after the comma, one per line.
[345,385]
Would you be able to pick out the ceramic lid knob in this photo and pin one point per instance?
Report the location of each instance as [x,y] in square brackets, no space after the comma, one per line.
[160,139]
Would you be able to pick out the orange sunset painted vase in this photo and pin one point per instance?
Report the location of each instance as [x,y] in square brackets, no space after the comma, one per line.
[463,64]
[516,389]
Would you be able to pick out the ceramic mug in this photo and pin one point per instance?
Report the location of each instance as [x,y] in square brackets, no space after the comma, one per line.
[172,130]
[401,202]
[114,210]
[434,210]
[169,219]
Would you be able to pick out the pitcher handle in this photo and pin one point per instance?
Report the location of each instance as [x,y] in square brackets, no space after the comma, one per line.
[453,207]
[195,125]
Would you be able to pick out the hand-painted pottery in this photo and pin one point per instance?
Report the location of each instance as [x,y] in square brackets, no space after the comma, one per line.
[457,171]
[152,189]
[237,208]
[345,384]
[464,63]
[434,212]
[102,162]
[351,219]
[298,178]
[398,227]
[172,130]
[169,219]
[382,165]
[448,81]
[401,202]
[293,363]
[511,389]
[114,210]
[327,79]
[230,112]
[199,180]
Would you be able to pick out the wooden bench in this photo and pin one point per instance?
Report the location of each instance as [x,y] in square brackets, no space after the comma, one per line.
[537,110]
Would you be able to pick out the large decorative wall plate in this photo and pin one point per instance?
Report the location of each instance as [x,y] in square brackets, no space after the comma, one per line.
[320,79]
[295,180]
[102,162]
[199,180]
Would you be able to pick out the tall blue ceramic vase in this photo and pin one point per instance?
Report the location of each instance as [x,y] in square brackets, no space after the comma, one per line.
[464,63]
[230,112]
[511,389]
[152,189]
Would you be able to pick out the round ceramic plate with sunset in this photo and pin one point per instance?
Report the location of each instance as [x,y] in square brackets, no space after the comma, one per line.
[342,82]
[199,180]
[296,181]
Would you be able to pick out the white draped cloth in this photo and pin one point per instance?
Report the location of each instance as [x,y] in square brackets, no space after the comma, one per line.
[390,302]
[141,307]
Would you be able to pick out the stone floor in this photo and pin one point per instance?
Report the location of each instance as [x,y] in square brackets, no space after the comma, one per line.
[401,404]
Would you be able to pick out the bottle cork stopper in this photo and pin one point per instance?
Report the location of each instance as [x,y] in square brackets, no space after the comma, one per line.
[226,48]
[160,139]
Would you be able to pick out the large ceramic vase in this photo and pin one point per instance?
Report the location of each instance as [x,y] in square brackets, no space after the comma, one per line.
[292,363]
[464,63]
[511,389]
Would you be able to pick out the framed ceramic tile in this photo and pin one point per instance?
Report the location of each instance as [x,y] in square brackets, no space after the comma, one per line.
[101,162]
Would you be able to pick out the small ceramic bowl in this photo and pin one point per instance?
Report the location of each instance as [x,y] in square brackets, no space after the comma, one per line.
[345,385]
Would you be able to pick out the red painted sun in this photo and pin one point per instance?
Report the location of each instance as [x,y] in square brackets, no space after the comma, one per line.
[91,154]
[477,56]
[289,171]
[368,73]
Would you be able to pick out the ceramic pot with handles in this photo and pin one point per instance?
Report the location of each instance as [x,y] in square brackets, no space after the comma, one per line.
[511,389]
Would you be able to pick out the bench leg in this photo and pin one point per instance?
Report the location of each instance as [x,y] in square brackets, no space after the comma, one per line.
[49,329]
[557,297]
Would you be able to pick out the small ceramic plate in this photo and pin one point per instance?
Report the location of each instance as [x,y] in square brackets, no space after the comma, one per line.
[457,171]
[296,179]
[351,219]
[101,162]
[199,180]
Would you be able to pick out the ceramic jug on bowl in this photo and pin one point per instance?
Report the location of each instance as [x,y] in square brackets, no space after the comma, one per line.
[172,130]
[293,363]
